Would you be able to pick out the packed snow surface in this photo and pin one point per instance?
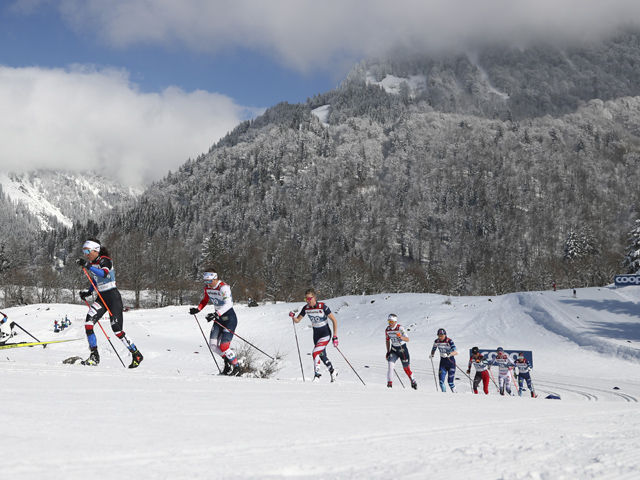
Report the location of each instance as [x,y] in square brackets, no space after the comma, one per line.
[174,417]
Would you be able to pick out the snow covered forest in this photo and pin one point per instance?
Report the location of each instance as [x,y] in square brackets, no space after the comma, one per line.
[499,171]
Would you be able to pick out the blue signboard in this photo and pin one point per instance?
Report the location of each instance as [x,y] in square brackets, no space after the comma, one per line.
[625,280]
[490,354]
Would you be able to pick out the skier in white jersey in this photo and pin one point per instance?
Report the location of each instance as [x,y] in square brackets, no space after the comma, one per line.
[396,339]
[504,366]
[319,315]
[224,318]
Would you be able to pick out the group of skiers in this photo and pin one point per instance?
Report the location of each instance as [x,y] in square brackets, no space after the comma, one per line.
[396,338]
[483,365]
[98,267]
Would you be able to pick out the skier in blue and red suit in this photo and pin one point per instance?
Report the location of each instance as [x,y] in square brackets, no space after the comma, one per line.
[319,314]
[447,363]
[524,367]
[223,317]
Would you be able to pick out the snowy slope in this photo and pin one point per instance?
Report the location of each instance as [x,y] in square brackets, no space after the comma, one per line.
[65,196]
[28,194]
[173,418]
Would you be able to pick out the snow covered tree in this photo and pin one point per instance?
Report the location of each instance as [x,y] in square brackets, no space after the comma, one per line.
[631,262]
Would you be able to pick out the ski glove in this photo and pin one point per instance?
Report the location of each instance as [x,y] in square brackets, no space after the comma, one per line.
[335,341]
[84,294]
[291,314]
[82,262]
[387,355]
[193,310]
[212,316]
[444,355]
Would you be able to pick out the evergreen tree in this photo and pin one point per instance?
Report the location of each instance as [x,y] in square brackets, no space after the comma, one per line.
[631,263]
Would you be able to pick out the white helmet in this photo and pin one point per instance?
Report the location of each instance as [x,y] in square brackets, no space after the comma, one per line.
[209,277]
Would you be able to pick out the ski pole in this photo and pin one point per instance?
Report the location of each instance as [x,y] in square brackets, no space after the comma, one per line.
[298,345]
[16,324]
[515,384]
[98,321]
[246,341]
[208,345]
[435,379]
[354,370]
[493,380]
[399,379]
[466,375]
[463,372]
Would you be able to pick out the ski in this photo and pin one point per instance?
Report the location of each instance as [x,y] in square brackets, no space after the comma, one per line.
[31,344]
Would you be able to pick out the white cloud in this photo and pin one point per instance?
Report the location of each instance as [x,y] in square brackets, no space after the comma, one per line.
[307,35]
[85,118]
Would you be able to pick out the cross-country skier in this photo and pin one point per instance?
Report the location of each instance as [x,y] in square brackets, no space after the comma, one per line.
[447,363]
[319,315]
[396,338]
[524,367]
[100,268]
[224,318]
[504,365]
[6,329]
[481,365]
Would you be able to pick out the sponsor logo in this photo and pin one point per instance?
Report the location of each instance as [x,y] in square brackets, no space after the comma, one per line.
[627,280]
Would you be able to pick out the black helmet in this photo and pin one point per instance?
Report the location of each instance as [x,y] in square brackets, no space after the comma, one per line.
[441,331]
[475,350]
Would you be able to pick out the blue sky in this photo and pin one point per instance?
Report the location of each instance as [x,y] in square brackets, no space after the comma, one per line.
[42,38]
[140,86]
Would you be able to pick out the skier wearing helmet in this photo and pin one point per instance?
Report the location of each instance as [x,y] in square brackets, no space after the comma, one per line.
[504,365]
[447,361]
[396,338]
[482,370]
[319,314]
[223,317]
[99,267]
[524,367]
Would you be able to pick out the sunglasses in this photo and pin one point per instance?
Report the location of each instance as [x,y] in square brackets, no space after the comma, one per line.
[308,299]
[208,281]
[86,251]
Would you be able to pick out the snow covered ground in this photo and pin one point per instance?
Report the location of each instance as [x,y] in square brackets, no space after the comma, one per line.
[175,418]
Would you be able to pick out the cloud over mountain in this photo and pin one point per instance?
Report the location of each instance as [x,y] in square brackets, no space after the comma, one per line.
[84,118]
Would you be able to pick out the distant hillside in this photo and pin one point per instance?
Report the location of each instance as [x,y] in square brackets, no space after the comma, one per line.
[60,198]
[501,171]
[515,82]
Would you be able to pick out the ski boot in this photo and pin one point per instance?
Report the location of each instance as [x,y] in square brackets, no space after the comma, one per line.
[94,357]
[227,366]
[389,384]
[316,377]
[136,358]
[414,384]
[334,375]
[234,370]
